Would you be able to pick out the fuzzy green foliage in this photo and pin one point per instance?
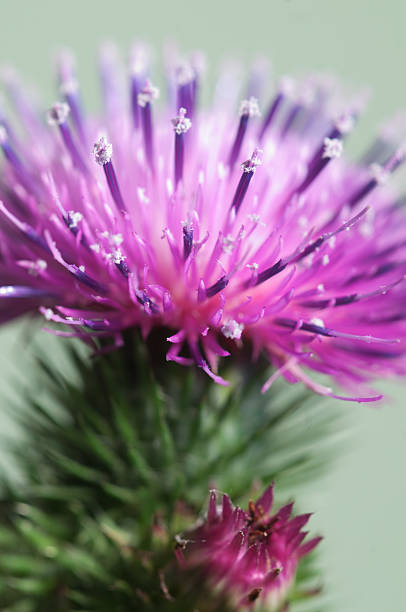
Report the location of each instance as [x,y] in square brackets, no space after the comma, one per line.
[117,463]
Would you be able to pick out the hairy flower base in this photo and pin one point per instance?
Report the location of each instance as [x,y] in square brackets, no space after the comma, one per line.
[130,219]
[250,556]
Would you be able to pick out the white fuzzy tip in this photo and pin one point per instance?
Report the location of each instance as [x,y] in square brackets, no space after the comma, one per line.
[58,113]
[232,329]
[185,73]
[102,151]
[69,87]
[317,321]
[250,108]
[3,135]
[333,147]
[251,164]
[344,122]
[379,174]
[147,94]
[287,86]
[74,218]
[138,60]
[181,123]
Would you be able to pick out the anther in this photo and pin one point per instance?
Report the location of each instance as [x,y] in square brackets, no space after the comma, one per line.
[103,152]
[145,99]
[57,115]
[187,240]
[285,89]
[186,79]
[69,88]
[181,125]
[379,175]
[248,108]
[248,169]
[138,68]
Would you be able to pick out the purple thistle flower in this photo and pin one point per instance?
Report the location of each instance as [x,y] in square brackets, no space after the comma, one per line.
[250,556]
[297,251]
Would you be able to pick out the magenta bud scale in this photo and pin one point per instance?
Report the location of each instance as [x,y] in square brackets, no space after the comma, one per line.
[251,555]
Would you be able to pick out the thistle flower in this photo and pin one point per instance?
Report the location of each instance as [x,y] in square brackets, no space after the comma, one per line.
[148,219]
[250,556]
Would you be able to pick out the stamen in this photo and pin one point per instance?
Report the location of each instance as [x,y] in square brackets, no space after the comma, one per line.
[186,79]
[248,169]
[181,125]
[187,240]
[380,175]
[103,152]
[303,252]
[70,90]
[79,273]
[249,108]
[57,115]
[314,328]
[285,88]
[291,118]
[19,291]
[218,286]
[138,69]
[331,148]
[13,159]
[145,98]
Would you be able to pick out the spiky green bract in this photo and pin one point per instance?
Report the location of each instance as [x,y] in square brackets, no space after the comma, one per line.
[118,462]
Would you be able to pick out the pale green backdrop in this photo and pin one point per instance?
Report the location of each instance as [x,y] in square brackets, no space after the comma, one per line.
[360,505]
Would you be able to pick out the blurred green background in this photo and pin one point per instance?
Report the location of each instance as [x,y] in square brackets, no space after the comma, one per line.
[359,506]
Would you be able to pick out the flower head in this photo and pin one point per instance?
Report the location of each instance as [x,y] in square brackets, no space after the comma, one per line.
[249,555]
[161,222]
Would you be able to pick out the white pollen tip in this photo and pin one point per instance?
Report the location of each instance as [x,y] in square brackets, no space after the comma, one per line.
[232,329]
[379,174]
[345,122]
[148,93]
[333,147]
[287,86]
[74,218]
[317,321]
[181,123]
[401,152]
[70,86]
[102,151]
[250,108]
[58,113]
[251,164]
[185,73]
[3,134]
[48,313]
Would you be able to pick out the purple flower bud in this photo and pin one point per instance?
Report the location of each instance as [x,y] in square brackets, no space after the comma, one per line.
[248,555]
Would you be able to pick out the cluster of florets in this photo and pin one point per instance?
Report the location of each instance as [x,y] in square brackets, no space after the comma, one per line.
[296,251]
[249,556]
